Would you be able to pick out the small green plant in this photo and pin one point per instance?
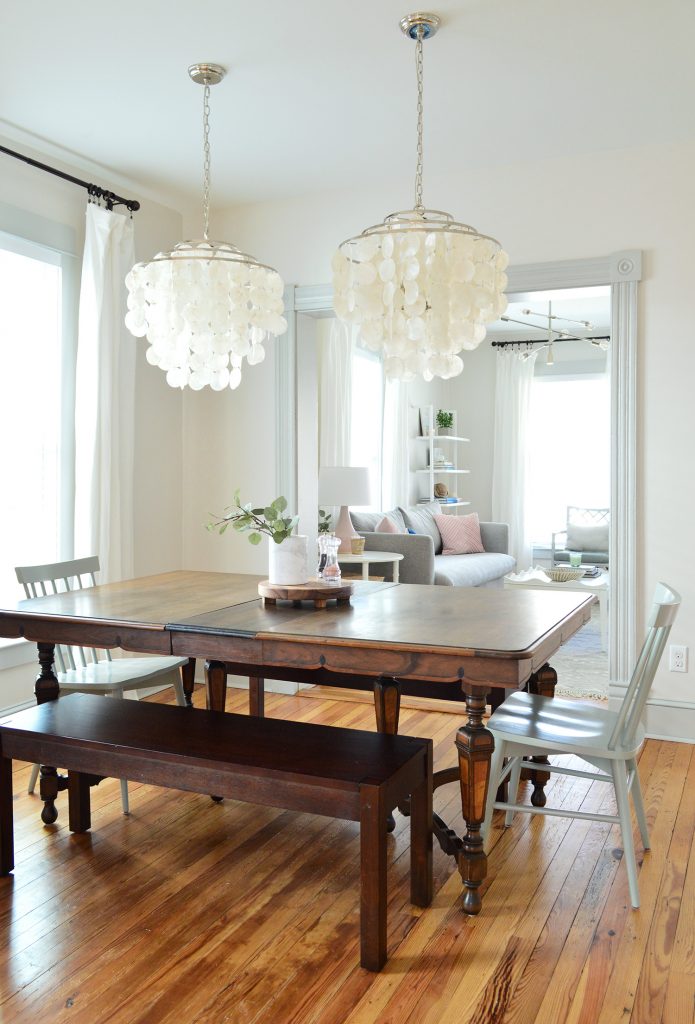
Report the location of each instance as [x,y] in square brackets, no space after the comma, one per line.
[324,521]
[445,420]
[256,521]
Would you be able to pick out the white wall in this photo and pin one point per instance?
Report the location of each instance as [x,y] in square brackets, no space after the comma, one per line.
[564,209]
[158,409]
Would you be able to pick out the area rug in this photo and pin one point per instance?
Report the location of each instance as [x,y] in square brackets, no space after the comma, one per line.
[581,665]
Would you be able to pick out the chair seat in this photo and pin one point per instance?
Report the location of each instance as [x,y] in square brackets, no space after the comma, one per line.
[120,674]
[532,721]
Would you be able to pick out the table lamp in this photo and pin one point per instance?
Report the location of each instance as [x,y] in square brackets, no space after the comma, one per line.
[343,486]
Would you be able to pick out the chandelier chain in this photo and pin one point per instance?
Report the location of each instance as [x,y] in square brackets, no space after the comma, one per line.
[206,160]
[419,72]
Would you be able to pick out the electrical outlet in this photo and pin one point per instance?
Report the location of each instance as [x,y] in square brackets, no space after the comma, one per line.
[678,658]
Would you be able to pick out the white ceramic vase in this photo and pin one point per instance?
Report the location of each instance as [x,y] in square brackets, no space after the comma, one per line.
[288,563]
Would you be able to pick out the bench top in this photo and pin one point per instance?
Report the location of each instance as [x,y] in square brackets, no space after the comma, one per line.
[213,738]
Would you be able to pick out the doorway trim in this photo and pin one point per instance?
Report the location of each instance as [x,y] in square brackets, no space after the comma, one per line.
[623,272]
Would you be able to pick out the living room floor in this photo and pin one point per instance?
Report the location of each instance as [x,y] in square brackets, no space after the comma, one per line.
[194,911]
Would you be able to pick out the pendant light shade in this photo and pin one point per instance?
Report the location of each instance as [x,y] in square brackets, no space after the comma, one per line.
[420,286]
[204,306]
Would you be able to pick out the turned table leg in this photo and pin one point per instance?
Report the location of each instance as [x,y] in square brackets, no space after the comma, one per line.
[47,688]
[475,745]
[541,682]
[387,705]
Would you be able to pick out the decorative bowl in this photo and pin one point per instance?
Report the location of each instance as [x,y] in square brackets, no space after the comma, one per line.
[564,575]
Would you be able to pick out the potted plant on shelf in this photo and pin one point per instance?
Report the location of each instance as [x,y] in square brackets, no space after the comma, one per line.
[445,421]
[288,561]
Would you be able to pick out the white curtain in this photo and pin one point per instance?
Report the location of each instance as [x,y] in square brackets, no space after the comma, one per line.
[395,476]
[510,462]
[104,405]
[335,396]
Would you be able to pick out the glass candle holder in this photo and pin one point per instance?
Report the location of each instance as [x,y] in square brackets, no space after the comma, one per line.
[575,559]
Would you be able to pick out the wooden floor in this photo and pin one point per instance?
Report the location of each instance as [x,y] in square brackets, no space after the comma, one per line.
[194,911]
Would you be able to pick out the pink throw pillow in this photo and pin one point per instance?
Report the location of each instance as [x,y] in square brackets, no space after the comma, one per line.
[460,534]
[387,525]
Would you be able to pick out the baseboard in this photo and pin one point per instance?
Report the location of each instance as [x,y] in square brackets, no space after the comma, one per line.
[672,720]
[448,707]
[270,685]
[14,708]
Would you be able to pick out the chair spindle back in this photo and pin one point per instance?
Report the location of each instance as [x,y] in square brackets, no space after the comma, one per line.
[57,578]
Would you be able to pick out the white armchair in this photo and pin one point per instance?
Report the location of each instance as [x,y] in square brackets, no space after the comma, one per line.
[586,531]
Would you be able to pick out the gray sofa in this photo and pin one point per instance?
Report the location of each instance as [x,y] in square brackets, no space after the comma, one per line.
[423,561]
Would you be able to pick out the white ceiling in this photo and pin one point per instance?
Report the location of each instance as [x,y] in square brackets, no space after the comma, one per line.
[320,94]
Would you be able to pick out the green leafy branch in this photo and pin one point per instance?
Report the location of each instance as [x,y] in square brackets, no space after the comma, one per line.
[255,521]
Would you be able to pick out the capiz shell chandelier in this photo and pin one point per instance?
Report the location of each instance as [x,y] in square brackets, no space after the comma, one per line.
[421,286]
[205,306]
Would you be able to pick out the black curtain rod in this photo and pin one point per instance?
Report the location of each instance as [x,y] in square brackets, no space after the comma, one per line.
[110,198]
[541,341]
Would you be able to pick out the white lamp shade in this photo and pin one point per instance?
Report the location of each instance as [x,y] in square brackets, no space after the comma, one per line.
[344,485]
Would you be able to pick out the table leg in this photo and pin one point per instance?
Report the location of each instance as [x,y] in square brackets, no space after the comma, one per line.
[396,572]
[387,705]
[216,684]
[475,745]
[542,682]
[257,696]
[188,679]
[47,688]
[365,570]
[603,617]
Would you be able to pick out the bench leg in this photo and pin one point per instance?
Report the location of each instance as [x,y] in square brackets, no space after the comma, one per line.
[421,884]
[257,696]
[6,836]
[387,706]
[373,878]
[79,815]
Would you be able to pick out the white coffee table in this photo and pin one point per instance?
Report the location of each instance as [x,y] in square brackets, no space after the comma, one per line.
[599,585]
[373,558]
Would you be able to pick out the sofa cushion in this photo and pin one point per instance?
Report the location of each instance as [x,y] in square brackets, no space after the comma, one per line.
[587,538]
[387,525]
[420,518]
[367,522]
[460,534]
[471,570]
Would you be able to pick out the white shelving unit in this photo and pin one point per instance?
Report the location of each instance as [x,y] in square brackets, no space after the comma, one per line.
[430,474]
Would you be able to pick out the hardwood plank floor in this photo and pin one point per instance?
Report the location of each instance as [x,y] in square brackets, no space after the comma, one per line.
[200,913]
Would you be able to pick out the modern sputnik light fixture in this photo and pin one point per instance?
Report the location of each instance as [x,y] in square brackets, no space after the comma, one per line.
[421,286]
[205,306]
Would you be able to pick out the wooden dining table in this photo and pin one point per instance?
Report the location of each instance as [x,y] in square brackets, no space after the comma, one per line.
[430,640]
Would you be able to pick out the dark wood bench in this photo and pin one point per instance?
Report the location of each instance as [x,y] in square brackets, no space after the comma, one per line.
[342,773]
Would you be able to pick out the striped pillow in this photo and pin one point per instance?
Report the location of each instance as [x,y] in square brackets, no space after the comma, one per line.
[460,534]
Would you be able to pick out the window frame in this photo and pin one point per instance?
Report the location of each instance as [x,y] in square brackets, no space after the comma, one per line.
[38,238]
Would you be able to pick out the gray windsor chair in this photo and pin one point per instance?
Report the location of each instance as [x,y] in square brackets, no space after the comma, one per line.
[527,725]
[82,670]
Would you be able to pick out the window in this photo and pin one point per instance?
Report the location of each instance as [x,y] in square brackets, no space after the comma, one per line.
[366,421]
[569,451]
[36,387]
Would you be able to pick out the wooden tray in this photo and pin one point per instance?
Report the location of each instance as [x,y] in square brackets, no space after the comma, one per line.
[317,591]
